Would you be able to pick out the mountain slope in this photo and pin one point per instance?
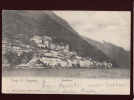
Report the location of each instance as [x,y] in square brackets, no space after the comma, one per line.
[23,25]
[118,54]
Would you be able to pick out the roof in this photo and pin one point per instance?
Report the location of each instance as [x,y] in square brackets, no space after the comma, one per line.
[49,56]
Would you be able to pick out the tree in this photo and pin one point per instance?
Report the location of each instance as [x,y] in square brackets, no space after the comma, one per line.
[25,57]
[12,58]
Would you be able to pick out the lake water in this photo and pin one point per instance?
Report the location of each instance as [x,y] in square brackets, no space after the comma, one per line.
[69,72]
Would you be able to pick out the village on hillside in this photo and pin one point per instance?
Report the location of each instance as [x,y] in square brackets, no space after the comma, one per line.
[47,55]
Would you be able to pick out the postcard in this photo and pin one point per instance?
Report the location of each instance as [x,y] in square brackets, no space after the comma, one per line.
[66,52]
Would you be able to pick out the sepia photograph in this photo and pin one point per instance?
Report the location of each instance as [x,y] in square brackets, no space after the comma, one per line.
[66,52]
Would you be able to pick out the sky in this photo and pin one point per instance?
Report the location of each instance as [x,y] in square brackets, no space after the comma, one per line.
[110,26]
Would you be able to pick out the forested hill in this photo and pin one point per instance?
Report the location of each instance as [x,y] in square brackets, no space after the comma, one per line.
[23,25]
[118,54]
